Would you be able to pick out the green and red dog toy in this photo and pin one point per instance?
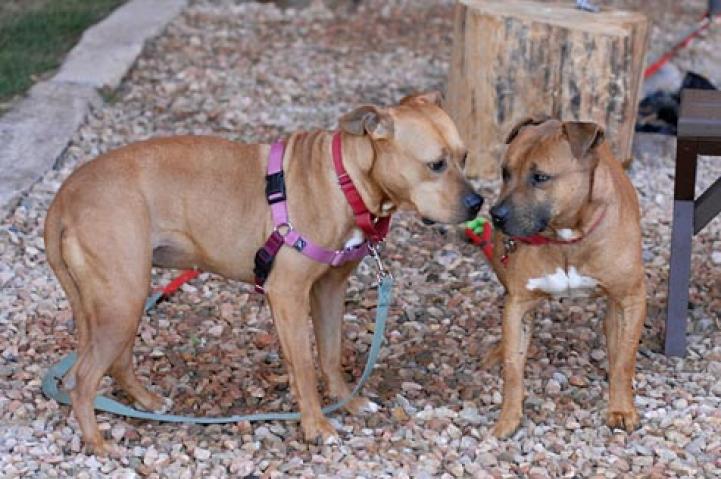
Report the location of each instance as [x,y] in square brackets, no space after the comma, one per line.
[479,231]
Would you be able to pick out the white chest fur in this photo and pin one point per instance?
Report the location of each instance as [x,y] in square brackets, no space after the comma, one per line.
[355,238]
[563,283]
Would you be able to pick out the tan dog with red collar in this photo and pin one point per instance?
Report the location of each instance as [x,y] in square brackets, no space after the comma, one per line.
[199,202]
[567,223]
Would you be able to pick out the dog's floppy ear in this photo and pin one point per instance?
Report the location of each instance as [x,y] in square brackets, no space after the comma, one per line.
[583,137]
[430,98]
[531,120]
[374,121]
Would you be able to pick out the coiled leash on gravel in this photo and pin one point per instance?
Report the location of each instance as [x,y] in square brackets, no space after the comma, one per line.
[57,372]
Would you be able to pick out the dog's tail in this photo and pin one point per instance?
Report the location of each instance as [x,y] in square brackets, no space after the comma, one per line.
[53,236]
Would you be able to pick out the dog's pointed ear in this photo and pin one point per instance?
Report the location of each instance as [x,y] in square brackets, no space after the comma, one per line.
[428,98]
[583,137]
[531,120]
[369,119]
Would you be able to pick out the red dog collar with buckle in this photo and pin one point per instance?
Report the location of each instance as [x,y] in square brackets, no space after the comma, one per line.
[374,228]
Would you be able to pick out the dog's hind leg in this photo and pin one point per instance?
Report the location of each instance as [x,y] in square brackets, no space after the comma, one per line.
[113,325]
[327,308]
[111,269]
[123,372]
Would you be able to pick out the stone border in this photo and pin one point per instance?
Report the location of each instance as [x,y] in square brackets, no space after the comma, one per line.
[36,131]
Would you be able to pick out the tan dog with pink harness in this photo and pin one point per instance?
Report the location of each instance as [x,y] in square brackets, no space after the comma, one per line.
[201,202]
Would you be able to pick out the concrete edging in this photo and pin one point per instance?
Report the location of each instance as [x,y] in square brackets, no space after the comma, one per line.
[36,131]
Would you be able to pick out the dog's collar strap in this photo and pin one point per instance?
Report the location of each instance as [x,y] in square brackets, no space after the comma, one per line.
[375,228]
[285,234]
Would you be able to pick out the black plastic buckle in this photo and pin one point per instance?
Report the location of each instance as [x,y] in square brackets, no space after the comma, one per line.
[275,187]
[263,264]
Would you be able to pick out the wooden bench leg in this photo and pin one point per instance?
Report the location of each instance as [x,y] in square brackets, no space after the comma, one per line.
[678,280]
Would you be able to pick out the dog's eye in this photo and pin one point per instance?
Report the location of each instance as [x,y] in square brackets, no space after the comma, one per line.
[463,160]
[539,178]
[506,174]
[437,166]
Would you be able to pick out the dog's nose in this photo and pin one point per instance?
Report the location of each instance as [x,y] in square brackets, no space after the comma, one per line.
[473,203]
[499,213]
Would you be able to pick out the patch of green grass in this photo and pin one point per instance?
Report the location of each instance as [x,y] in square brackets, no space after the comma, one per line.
[35,36]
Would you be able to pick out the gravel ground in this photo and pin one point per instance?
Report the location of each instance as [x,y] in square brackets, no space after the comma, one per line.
[249,71]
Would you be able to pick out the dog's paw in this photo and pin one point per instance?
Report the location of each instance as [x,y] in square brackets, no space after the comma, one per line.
[99,447]
[156,403]
[332,440]
[165,406]
[361,406]
[148,399]
[627,420]
[320,429]
[505,427]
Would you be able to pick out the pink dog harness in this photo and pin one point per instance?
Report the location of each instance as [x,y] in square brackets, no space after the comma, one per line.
[375,229]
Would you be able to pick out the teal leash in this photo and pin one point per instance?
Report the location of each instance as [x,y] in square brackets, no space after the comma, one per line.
[102,403]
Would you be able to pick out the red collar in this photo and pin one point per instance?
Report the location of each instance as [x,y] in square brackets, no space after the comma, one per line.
[375,228]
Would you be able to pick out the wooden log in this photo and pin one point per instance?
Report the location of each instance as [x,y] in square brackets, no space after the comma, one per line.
[517,58]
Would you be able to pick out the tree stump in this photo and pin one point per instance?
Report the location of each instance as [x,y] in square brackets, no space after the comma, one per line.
[516,58]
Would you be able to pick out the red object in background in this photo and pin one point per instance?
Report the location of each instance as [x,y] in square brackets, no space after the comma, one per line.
[183,278]
[703,24]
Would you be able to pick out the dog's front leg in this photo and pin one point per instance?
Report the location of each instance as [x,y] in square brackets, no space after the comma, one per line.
[289,300]
[623,332]
[327,308]
[516,336]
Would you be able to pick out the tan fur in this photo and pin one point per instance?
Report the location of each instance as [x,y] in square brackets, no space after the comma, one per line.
[610,254]
[199,202]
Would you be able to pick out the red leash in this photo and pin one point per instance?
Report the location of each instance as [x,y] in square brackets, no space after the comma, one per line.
[183,278]
[704,23]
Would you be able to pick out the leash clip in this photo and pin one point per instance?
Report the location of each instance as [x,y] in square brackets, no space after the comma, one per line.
[375,249]
[510,245]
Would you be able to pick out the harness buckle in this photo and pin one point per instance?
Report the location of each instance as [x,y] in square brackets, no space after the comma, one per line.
[275,187]
[264,258]
[263,262]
